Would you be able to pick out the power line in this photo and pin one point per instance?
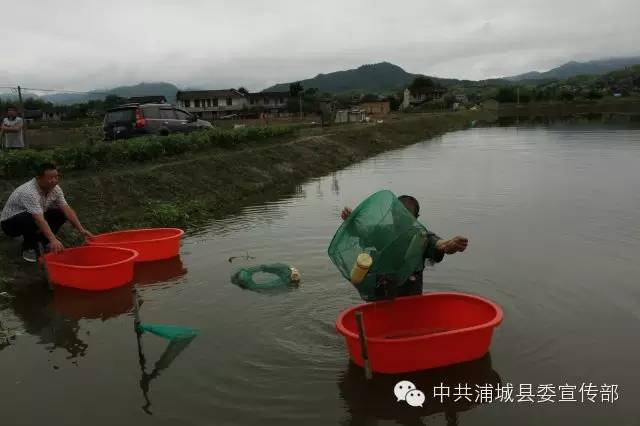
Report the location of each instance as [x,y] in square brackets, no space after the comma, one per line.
[56,90]
[67,91]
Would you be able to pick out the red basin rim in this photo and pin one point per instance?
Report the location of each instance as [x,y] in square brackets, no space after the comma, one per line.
[134,255]
[178,233]
[489,324]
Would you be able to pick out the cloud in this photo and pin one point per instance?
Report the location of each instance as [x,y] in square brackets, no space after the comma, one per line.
[91,44]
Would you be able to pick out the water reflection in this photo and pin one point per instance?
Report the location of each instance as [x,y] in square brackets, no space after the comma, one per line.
[173,349]
[160,271]
[335,184]
[31,305]
[371,401]
[177,344]
[54,316]
[77,304]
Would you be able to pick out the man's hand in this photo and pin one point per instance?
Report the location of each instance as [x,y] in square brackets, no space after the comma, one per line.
[454,245]
[86,234]
[345,213]
[55,246]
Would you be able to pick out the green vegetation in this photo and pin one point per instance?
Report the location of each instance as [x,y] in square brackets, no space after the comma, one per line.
[620,83]
[105,154]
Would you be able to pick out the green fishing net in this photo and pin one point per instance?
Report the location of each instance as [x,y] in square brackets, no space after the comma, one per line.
[382,227]
[262,276]
[170,332]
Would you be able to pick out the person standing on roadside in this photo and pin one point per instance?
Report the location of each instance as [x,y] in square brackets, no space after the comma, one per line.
[12,129]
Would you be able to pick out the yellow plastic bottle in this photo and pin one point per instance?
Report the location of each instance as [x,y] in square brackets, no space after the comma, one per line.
[295,276]
[360,269]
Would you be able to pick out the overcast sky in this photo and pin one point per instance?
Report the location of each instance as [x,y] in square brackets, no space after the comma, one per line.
[88,44]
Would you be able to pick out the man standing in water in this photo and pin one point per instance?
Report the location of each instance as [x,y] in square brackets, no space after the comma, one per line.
[36,210]
[434,251]
[12,129]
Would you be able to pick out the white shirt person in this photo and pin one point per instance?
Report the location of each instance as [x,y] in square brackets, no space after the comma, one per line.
[12,129]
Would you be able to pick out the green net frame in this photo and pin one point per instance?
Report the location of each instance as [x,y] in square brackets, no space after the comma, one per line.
[382,227]
[281,276]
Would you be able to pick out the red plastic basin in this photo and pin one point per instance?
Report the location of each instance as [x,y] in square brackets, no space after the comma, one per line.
[421,332]
[152,244]
[91,268]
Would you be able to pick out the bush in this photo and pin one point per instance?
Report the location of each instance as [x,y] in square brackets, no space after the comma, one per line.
[23,163]
[144,149]
[165,214]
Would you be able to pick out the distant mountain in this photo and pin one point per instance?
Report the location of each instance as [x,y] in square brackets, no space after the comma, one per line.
[143,89]
[571,69]
[375,78]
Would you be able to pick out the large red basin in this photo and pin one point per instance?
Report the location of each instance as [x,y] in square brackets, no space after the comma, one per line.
[421,332]
[91,268]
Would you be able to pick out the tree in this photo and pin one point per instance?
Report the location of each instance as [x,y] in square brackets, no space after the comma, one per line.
[243,91]
[110,101]
[448,100]
[506,94]
[421,83]
[295,88]
[34,103]
[566,96]
[369,97]
[394,103]
[594,94]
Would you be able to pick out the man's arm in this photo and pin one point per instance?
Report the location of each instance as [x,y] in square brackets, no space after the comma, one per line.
[438,247]
[434,251]
[72,217]
[12,129]
[454,245]
[54,244]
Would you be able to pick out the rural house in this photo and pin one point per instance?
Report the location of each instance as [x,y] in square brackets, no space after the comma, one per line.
[31,115]
[419,96]
[461,98]
[271,102]
[376,107]
[212,104]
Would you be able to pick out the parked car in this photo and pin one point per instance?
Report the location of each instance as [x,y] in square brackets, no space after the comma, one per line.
[131,120]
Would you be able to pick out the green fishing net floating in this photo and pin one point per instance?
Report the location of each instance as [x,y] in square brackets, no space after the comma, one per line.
[264,276]
[170,332]
[382,228]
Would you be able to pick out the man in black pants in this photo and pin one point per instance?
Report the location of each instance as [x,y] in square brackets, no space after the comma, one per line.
[36,210]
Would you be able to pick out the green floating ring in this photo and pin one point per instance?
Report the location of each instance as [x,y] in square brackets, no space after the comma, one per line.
[281,276]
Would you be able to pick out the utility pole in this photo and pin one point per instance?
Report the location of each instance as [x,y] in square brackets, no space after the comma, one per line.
[24,122]
[300,98]
[518,95]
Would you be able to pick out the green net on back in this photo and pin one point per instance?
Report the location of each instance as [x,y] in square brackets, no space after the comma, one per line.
[382,227]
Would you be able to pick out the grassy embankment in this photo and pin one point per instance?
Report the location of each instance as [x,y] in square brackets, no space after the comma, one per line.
[191,188]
